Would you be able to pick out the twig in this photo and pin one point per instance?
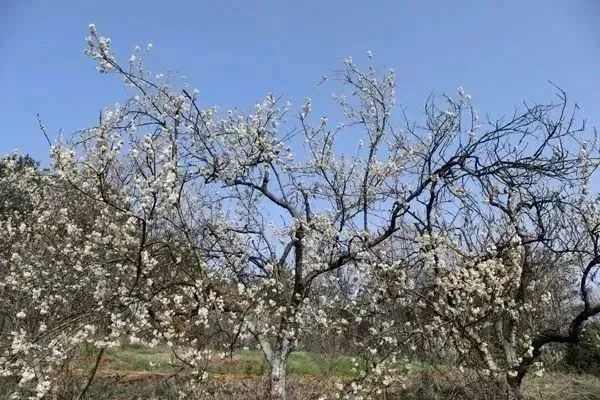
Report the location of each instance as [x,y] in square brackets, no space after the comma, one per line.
[43,129]
[92,374]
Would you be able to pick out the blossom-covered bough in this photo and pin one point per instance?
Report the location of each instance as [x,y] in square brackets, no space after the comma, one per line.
[170,222]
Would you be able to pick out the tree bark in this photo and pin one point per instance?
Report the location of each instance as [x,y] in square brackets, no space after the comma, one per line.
[277,376]
[514,388]
[277,359]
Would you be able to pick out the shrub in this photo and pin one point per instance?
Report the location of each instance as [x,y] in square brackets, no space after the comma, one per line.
[585,356]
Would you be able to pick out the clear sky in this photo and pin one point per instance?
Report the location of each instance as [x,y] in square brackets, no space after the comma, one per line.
[235,52]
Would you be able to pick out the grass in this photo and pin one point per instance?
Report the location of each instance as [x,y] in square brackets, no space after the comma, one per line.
[246,362]
[137,358]
[143,371]
[562,386]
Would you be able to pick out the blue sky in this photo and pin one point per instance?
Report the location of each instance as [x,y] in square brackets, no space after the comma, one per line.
[502,52]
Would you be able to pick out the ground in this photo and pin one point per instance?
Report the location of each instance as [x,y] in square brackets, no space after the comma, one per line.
[137,372]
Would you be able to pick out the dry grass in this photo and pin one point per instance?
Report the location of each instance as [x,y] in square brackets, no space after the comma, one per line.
[562,386]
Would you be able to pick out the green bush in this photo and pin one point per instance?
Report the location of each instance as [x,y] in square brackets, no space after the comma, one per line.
[585,356]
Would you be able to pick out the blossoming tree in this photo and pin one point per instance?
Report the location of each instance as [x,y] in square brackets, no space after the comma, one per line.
[171,222]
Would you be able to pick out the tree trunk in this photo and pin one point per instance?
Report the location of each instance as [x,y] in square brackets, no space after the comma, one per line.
[277,376]
[277,360]
[514,388]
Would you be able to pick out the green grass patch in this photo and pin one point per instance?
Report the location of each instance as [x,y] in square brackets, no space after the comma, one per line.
[140,358]
[247,362]
[303,363]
